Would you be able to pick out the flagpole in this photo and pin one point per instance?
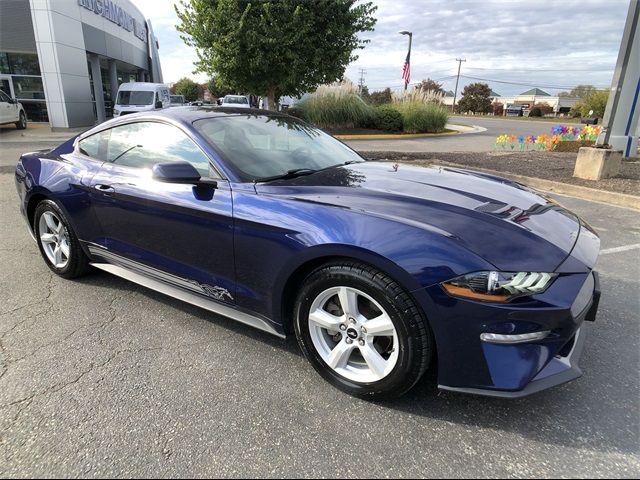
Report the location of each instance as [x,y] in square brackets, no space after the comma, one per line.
[405,32]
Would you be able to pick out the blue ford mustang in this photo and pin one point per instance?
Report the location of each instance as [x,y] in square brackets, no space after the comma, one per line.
[378,271]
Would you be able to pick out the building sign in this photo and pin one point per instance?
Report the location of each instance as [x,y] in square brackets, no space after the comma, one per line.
[114,13]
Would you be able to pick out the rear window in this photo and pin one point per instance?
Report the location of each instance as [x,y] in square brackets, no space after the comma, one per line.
[236,100]
[135,97]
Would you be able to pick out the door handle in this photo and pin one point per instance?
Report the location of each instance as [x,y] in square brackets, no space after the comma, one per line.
[106,189]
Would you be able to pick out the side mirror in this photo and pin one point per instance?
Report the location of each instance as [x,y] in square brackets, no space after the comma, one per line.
[13,100]
[175,172]
[159,104]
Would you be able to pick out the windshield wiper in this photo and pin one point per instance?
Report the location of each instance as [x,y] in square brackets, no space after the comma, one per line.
[296,172]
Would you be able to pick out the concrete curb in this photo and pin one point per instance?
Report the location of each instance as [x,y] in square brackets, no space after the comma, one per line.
[457,130]
[585,193]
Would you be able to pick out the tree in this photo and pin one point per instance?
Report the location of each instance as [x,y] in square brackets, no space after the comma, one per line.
[497,109]
[284,47]
[581,91]
[215,89]
[365,95]
[381,97]
[596,101]
[187,87]
[476,98]
[430,85]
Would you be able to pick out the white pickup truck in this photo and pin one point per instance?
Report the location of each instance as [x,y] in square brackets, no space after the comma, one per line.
[12,111]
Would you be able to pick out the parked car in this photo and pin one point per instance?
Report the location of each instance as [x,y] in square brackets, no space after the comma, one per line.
[177,100]
[235,101]
[136,97]
[377,270]
[12,111]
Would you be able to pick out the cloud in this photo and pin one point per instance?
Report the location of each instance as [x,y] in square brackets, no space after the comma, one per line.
[544,43]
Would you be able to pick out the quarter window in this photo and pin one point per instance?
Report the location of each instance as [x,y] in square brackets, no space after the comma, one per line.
[90,146]
[144,144]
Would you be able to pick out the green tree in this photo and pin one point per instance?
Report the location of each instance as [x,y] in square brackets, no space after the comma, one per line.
[596,101]
[187,87]
[274,48]
[216,89]
[476,98]
[581,91]
[428,84]
[381,97]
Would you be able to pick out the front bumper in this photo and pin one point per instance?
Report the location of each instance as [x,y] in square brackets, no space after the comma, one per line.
[519,369]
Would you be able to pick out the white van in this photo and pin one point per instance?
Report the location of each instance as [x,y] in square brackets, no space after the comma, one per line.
[140,97]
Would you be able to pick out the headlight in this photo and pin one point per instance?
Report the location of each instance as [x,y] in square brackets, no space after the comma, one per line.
[498,286]
[116,111]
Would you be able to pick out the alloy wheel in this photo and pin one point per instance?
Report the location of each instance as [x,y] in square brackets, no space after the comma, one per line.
[54,239]
[353,334]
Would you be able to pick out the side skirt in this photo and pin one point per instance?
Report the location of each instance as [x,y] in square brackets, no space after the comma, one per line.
[189,297]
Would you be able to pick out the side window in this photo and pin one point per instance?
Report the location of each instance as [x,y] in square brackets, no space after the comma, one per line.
[143,144]
[94,146]
[3,97]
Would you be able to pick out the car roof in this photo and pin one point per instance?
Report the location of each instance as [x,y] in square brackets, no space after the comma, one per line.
[185,115]
[144,86]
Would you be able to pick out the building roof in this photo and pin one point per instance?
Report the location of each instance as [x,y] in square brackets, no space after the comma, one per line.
[494,94]
[448,93]
[535,91]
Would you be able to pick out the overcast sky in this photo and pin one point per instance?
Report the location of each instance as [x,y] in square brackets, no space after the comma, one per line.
[553,45]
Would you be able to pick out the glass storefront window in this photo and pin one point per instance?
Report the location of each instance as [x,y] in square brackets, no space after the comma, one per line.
[28,88]
[36,111]
[4,63]
[23,63]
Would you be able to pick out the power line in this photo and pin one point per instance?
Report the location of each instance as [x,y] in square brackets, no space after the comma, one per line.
[524,84]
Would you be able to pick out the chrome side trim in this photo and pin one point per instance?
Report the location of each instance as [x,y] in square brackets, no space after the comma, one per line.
[188,296]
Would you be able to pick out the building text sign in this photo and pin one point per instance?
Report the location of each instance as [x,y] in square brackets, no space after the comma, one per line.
[114,13]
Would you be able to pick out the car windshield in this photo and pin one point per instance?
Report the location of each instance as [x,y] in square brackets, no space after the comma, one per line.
[134,97]
[258,146]
[237,100]
[177,99]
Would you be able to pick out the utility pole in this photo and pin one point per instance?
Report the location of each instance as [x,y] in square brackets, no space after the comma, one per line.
[455,94]
[361,82]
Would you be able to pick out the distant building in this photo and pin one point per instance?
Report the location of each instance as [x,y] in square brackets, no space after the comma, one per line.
[525,100]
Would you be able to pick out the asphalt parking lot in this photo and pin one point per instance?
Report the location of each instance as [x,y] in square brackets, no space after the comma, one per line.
[100,377]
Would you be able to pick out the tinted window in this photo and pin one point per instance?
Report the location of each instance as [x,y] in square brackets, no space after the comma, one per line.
[236,100]
[258,146]
[143,144]
[3,97]
[131,97]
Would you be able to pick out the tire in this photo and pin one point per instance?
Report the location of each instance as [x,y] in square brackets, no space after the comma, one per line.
[22,123]
[402,337]
[50,220]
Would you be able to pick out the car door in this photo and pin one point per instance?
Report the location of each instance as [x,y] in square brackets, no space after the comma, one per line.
[185,237]
[6,109]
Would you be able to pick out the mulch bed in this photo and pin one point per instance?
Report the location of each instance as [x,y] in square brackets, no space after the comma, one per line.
[547,165]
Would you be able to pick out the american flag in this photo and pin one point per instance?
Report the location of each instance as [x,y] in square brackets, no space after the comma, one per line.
[406,70]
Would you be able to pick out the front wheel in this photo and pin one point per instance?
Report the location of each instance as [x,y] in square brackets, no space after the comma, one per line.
[21,124]
[361,331]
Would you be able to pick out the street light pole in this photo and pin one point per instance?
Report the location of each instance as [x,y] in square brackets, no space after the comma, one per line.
[406,32]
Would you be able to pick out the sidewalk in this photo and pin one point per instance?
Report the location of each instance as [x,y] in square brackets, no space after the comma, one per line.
[543,170]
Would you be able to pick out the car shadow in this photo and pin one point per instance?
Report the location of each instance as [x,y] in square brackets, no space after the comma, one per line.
[571,415]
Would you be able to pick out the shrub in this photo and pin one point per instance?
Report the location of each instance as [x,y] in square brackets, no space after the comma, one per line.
[296,111]
[497,109]
[336,106]
[535,112]
[381,97]
[388,119]
[421,117]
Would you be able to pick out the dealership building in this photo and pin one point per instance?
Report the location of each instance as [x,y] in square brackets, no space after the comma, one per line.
[65,59]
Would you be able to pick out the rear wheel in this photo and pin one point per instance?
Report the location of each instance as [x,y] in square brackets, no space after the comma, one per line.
[21,124]
[361,331]
[57,241]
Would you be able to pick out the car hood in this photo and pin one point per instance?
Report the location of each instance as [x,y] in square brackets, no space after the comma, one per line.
[504,222]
